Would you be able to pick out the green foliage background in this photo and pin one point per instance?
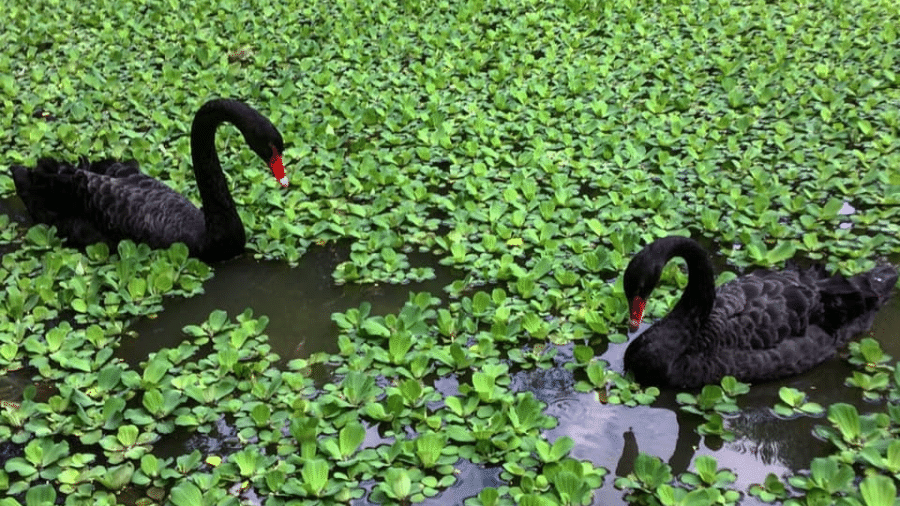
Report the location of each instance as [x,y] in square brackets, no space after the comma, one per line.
[536,144]
[736,120]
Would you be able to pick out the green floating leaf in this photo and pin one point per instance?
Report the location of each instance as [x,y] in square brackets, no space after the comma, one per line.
[791,396]
[351,437]
[216,319]
[878,490]
[651,471]
[397,483]
[429,447]
[782,252]
[375,328]
[315,476]
[846,418]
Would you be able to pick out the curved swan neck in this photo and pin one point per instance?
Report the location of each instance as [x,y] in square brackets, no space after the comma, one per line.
[700,292]
[218,205]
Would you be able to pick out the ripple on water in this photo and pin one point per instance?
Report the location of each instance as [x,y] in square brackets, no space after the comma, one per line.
[599,429]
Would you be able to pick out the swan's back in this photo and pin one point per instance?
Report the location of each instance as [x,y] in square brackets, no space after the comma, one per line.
[763,326]
[108,201]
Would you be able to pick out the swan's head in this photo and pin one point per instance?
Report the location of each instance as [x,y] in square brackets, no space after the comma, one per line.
[641,277]
[263,137]
[265,140]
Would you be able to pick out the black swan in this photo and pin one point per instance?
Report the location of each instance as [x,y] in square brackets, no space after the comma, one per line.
[758,327]
[109,201]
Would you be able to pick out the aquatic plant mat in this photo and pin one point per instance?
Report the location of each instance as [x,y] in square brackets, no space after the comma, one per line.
[533,145]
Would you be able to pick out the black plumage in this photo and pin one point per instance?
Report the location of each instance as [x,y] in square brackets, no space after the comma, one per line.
[758,327]
[109,201]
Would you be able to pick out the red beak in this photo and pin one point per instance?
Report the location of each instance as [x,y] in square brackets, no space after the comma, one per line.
[637,313]
[278,167]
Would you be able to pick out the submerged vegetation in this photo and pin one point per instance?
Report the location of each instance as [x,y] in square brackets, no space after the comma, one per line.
[535,147]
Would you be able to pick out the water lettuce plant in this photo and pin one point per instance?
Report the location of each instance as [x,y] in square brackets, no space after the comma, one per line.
[651,483]
[793,402]
[711,403]
[531,148]
[876,379]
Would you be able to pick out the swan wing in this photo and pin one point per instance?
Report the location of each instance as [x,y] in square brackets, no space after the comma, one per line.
[764,309]
[107,201]
[125,204]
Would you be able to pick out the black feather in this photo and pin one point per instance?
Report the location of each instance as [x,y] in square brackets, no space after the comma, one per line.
[762,326]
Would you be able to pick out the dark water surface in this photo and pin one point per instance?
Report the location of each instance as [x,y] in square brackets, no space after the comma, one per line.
[299,302]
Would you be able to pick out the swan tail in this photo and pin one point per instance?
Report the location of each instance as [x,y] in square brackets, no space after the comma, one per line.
[103,201]
[850,304]
[46,190]
[879,282]
[50,194]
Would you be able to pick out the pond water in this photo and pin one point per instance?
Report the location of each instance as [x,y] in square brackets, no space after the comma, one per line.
[299,303]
